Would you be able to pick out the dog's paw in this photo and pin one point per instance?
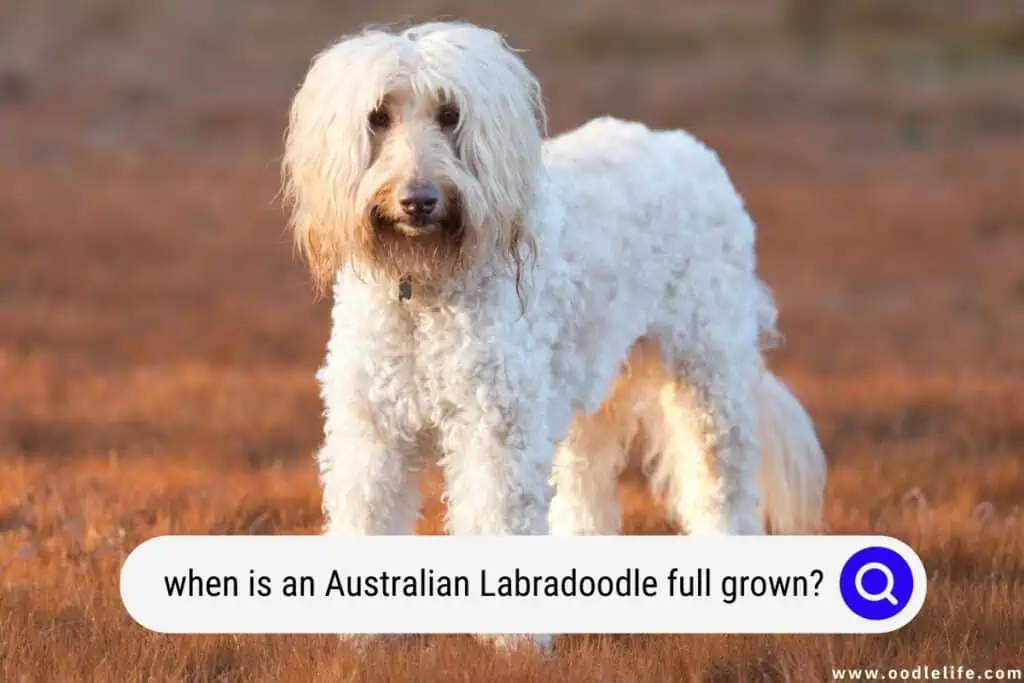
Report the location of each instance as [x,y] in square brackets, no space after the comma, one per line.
[361,642]
[518,642]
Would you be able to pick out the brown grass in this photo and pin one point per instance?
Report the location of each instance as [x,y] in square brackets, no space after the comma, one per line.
[158,343]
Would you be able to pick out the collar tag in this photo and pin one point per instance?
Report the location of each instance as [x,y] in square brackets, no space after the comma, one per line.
[404,289]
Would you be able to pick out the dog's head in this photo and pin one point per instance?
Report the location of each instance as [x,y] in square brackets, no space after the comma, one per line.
[413,154]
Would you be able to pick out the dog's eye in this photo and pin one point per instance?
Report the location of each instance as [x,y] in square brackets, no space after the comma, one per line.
[379,118]
[448,116]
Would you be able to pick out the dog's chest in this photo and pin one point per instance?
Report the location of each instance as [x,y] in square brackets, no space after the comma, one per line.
[438,355]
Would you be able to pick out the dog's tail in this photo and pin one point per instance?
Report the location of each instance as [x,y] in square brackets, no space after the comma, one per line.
[793,464]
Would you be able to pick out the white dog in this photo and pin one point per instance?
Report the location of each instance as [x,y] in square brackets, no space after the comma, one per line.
[520,307]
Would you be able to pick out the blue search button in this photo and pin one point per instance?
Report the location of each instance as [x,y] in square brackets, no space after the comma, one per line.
[876,583]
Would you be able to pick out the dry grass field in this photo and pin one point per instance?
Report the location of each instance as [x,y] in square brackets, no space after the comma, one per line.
[158,341]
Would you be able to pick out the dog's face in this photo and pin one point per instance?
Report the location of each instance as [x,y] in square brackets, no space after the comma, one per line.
[413,141]
[416,187]
[413,154]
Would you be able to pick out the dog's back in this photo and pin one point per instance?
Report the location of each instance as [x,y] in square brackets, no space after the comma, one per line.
[630,158]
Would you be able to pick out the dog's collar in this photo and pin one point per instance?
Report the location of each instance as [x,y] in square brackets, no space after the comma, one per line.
[405,288]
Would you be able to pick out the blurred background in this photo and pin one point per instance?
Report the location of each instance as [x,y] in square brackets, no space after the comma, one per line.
[188,72]
[787,90]
[158,340]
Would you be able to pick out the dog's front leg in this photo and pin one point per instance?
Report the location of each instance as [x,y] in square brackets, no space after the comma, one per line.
[368,473]
[497,462]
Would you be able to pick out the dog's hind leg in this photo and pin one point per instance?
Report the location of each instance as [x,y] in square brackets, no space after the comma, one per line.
[591,458]
[585,477]
[708,461]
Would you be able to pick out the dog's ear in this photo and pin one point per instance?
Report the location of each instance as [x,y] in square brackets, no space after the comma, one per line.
[521,248]
[319,250]
[312,226]
[319,177]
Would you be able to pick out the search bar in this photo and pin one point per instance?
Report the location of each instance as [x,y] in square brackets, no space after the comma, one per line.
[530,585]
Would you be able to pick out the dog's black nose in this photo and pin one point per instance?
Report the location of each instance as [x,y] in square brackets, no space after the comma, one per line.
[418,200]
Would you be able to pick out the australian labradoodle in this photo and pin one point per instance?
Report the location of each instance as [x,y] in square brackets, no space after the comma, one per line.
[521,308]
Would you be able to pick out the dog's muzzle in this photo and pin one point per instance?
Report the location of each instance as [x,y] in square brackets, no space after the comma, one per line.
[419,209]
[419,202]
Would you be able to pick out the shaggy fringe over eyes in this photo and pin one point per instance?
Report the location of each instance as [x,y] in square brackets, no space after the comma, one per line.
[495,165]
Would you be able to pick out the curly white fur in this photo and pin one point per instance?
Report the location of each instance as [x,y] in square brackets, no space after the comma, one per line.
[567,257]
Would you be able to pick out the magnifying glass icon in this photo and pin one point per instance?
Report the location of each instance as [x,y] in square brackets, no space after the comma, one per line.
[877,583]
[876,596]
